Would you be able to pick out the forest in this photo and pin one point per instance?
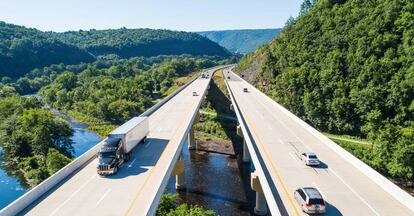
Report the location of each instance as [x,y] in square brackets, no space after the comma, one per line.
[35,141]
[241,41]
[23,49]
[104,93]
[347,67]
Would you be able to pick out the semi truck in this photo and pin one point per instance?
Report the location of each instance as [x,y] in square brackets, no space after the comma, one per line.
[118,146]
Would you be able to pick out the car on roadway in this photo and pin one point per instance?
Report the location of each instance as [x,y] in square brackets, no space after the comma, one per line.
[245,90]
[310,200]
[228,77]
[195,94]
[310,159]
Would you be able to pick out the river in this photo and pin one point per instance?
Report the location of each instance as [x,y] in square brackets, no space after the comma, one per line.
[214,181]
[12,188]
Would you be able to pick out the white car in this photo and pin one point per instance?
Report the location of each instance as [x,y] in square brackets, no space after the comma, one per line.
[310,200]
[310,159]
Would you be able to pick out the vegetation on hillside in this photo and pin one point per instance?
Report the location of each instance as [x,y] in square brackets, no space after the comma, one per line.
[347,67]
[241,41]
[218,121]
[119,92]
[169,207]
[23,49]
[141,42]
[36,143]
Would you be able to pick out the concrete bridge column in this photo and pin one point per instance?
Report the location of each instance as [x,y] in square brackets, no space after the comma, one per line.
[192,144]
[246,154]
[179,173]
[261,207]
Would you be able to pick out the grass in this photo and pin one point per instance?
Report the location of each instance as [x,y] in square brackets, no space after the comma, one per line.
[96,125]
[84,118]
[218,123]
[361,151]
[103,129]
[180,81]
[348,137]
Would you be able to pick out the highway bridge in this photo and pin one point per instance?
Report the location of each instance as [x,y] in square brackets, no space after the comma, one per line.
[274,139]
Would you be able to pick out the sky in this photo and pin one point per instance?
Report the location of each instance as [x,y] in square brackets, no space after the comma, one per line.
[185,15]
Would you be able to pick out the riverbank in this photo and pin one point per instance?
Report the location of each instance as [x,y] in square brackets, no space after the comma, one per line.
[215,175]
[13,186]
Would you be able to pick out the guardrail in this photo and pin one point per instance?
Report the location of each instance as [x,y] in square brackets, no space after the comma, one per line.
[31,196]
[152,209]
[270,199]
[37,192]
[395,191]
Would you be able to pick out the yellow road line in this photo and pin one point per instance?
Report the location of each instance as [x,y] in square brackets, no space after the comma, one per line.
[272,165]
[151,171]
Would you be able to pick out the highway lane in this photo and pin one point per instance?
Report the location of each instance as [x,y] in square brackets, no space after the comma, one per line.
[281,140]
[132,190]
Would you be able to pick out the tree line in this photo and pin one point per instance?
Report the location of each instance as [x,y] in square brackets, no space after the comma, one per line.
[347,67]
[23,49]
[36,142]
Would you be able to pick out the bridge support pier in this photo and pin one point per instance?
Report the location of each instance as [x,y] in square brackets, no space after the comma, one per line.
[192,144]
[261,207]
[179,173]
[246,154]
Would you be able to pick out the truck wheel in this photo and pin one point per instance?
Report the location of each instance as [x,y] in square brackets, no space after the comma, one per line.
[115,169]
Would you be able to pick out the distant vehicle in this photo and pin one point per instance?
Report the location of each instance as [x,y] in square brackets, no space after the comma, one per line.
[194,93]
[242,75]
[203,76]
[310,200]
[310,159]
[117,148]
[245,90]
[228,77]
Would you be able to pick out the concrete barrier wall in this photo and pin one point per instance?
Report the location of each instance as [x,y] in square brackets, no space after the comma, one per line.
[153,208]
[35,193]
[31,196]
[271,202]
[395,191]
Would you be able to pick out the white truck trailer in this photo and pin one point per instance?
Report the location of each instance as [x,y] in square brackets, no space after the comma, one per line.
[118,147]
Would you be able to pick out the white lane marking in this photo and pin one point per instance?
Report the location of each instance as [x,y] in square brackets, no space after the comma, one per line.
[294,158]
[147,144]
[132,162]
[103,196]
[281,122]
[73,195]
[343,181]
[259,114]
[269,126]
[353,191]
[320,191]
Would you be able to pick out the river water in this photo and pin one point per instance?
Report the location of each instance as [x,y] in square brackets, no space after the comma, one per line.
[214,181]
[11,187]
[220,182]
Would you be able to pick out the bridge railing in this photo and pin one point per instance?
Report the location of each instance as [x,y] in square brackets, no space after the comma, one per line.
[268,192]
[395,191]
[37,192]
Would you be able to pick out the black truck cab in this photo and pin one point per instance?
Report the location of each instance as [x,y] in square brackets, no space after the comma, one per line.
[110,156]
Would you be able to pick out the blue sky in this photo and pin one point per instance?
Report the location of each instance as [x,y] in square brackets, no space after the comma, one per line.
[187,15]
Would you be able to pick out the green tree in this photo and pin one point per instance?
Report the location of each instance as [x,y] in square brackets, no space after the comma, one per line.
[56,161]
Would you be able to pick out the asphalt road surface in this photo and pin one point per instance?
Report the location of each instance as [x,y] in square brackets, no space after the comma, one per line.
[132,190]
[280,141]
